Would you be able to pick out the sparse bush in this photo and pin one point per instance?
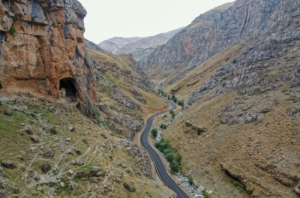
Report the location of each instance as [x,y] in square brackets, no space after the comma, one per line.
[205,194]
[12,30]
[198,132]
[234,61]
[78,105]
[170,157]
[173,114]
[175,167]
[180,103]
[163,126]
[178,158]
[191,179]
[154,133]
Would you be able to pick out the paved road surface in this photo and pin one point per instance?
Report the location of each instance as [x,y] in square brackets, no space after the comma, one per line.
[159,165]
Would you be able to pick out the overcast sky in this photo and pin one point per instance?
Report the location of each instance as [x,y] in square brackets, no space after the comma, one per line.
[130,18]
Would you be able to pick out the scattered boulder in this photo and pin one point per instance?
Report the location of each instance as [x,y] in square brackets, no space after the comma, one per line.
[251,117]
[53,131]
[70,151]
[129,187]
[36,176]
[8,112]
[34,138]
[8,164]
[73,186]
[197,128]
[96,172]
[71,128]
[29,131]
[45,167]
[48,153]
[80,162]
[265,110]
[15,190]
[103,135]
[297,189]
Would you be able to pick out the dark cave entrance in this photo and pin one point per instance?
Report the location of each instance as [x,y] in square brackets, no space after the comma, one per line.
[1,86]
[67,88]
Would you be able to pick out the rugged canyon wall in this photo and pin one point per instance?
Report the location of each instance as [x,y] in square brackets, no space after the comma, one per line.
[237,68]
[42,43]
[220,28]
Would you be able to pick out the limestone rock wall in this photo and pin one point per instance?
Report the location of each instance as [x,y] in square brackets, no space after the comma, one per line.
[41,43]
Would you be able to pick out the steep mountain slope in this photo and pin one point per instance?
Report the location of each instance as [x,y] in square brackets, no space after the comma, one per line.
[146,42]
[52,150]
[237,68]
[144,46]
[92,45]
[48,148]
[114,44]
[140,48]
[125,93]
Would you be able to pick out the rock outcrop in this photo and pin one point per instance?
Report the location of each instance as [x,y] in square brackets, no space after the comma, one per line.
[140,155]
[43,50]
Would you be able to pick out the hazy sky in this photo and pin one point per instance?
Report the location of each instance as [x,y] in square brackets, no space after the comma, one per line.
[130,18]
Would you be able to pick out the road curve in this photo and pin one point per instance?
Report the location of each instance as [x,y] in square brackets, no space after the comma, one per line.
[158,163]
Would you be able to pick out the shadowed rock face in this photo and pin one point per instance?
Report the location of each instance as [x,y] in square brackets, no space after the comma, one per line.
[41,43]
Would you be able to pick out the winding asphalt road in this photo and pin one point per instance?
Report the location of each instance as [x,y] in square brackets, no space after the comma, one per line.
[158,163]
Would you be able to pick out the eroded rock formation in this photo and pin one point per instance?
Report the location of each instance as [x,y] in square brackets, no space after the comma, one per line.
[42,43]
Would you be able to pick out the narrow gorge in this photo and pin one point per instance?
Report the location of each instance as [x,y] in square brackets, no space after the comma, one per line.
[208,110]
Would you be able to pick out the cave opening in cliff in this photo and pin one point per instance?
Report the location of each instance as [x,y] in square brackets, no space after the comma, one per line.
[67,88]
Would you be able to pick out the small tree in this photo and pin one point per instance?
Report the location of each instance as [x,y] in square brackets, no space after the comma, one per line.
[170,157]
[154,133]
[163,126]
[175,166]
[178,158]
[191,179]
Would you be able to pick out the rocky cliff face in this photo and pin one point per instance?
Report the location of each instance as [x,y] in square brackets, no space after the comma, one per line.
[43,51]
[220,28]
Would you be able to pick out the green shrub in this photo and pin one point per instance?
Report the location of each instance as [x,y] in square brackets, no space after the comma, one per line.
[191,179]
[180,103]
[78,105]
[163,126]
[12,30]
[170,157]
[205,194]
[175,167]
[167,150]
[198,132]
[178,158]
[154,133]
